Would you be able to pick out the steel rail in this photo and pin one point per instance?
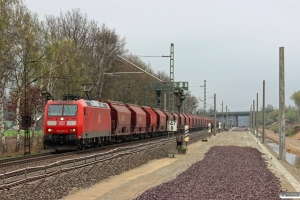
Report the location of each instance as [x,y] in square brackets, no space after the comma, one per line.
[25,172]
[32,158]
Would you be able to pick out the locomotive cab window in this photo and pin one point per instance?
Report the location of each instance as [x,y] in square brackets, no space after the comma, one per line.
[55,110]
[70,110]
[62,110]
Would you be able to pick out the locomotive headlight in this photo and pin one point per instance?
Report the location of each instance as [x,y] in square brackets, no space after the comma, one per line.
[61,118]
[72,130]
[50,130]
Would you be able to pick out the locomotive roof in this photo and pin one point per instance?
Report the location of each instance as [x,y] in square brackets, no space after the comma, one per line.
[91,103]
[96,103]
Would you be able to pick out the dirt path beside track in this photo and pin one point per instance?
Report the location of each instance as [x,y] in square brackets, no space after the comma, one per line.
[129,185]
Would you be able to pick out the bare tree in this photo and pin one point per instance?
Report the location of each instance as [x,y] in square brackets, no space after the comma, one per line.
[106,45]
[190,103]
[7,47]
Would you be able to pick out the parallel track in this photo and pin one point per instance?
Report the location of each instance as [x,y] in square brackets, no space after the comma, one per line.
[24,160]
[15,176]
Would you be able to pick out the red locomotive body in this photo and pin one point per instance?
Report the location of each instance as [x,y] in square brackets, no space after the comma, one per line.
[71,124]
[96,120]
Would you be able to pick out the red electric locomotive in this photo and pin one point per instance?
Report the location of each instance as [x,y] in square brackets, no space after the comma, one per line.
[76,124]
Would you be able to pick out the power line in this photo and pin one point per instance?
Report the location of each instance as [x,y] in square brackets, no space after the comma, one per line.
[154,56]
[142,69]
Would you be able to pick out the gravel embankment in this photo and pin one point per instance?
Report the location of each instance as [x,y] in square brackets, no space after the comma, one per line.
[226,172]
[57,187]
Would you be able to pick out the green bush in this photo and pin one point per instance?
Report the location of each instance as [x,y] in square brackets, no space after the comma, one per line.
[291,115]
[183,147]
[290,132]
[274,115]
[275,128]
[13,133]
[269,121]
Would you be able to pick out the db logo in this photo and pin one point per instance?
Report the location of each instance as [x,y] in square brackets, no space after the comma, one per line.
[61,123]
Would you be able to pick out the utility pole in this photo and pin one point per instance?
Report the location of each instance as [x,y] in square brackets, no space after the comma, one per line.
[205,97]
[250,119]
[165,101]
[222,117]
[171,94]
[253,117]
[226,119]
[263,125]
[256,117]
[215,115]
[281,105]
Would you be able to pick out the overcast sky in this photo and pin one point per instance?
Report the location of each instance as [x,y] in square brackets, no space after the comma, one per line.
[233,45]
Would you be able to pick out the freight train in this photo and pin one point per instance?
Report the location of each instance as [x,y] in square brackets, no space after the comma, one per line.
[80,123]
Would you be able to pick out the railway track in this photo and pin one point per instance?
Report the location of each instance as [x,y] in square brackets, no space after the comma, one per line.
[15,163]
[46,165]
[95,167]
[10,164]
[29,174]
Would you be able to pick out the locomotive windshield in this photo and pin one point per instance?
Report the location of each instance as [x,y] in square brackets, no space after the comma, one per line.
[70,110]
[62,110]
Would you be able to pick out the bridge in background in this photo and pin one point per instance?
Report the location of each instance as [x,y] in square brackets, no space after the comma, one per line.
[231,115]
